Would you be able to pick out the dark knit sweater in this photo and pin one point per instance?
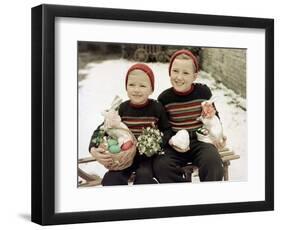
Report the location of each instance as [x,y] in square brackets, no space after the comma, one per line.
[183,109]
[137,118]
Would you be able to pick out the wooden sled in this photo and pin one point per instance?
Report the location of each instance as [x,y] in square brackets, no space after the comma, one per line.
[226,154]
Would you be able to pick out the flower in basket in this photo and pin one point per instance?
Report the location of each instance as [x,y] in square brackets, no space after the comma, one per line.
[99,137]
[149,142]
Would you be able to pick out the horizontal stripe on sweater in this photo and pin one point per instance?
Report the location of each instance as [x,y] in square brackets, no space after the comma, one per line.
[136,132]
[139,119]
[184,115]
[183,109]
[189,127]
[185,123]
[137,124]
[185,118]
[190,104]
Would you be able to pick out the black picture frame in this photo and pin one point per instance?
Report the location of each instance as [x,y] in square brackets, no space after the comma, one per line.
[43,114]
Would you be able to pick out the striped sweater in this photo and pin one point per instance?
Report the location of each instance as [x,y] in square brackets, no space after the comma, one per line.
[183,109]
[153,114]
[137,118]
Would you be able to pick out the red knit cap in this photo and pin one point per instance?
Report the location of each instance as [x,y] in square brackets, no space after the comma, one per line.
[145,69]
[188,53]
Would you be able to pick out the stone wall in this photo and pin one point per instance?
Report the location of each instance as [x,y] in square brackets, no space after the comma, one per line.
[227,66]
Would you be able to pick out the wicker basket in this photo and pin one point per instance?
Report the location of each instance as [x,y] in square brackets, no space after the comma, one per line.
[124,159]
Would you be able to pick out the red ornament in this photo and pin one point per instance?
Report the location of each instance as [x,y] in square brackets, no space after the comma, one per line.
[127,145]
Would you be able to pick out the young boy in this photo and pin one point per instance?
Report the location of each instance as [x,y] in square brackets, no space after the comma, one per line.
[137,113]
[182,103]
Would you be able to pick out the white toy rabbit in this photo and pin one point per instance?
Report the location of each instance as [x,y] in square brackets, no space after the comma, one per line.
[211,131]
[113,125]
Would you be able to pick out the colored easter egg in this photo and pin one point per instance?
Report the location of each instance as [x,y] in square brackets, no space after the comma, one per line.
[112,142]
[114,148]
[127,145]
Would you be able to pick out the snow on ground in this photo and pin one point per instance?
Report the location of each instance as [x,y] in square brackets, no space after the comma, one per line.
[103,80]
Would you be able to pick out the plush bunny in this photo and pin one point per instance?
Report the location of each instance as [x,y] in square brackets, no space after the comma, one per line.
[115,128]
[211,131]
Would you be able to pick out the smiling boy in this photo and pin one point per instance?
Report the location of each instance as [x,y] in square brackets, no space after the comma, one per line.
[137,113]
[182,103]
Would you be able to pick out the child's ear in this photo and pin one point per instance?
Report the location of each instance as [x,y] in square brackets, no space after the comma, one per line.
[195,75]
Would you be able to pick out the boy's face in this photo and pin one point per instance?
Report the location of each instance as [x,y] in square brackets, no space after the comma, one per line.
[182,74]
[138,87]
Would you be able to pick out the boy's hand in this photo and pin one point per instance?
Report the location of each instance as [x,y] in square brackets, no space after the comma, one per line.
[104,159]
[208,110]
[124,159]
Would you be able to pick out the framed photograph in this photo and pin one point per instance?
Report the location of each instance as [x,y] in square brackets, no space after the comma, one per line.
[84,66]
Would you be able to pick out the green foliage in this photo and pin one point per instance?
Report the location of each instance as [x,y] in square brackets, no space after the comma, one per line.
[98,137]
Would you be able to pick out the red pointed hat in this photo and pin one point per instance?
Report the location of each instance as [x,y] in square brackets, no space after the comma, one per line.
[188,53]
[145,69]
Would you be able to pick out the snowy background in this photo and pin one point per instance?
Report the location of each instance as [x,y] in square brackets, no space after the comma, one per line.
[101,81]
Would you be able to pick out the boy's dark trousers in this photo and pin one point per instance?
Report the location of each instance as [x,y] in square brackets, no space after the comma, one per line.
[168,167]
[142,166]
